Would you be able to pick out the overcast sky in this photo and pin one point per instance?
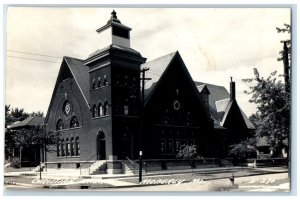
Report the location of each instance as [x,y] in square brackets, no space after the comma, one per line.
[214,44]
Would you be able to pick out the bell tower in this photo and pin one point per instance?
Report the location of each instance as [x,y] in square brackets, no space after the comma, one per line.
[114,72]
[114,32]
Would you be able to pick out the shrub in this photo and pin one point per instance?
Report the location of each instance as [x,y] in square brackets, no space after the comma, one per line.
[16,163]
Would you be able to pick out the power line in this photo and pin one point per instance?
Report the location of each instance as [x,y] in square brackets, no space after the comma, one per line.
[33,53]
[33,59]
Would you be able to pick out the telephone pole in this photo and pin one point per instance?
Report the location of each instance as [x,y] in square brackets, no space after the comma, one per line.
[143,71]
[286,66]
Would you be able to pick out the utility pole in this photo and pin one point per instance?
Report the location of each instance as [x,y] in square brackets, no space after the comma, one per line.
[286,66]
[142,121]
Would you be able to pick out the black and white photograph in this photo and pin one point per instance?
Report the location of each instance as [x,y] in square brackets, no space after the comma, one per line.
[148,99]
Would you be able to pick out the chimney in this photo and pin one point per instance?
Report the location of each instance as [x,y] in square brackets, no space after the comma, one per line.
[232,90]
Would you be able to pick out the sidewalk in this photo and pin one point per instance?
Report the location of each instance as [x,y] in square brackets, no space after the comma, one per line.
[123,180]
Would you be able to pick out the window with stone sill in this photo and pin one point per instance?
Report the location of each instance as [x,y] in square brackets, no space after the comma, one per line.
[72,146]
[105,82]
[105,108]
[93,84]
[99,109]
[94,111]
[77,145]
[68,147]
[74,122]
[99,82]
[59,125]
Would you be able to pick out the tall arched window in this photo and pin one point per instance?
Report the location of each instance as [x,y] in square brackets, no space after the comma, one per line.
[105,81]
[99,82]
[93,84]
[63,147]
[126,107]
[59,125]
[72,145]
[94,111]
[68,147]
[58,148]
[99,109]
[74,122]
[105,108]
[77,146]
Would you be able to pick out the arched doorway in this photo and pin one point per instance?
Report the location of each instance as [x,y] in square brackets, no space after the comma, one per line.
[101,153]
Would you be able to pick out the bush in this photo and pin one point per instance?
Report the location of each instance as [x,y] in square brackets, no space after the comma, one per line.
[16,163]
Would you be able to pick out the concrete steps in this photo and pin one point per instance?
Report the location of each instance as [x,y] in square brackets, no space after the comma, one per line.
[98,167]
[131,168]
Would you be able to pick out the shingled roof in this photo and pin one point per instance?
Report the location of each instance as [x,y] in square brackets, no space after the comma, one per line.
[219,102]
[80,73]
[30,121]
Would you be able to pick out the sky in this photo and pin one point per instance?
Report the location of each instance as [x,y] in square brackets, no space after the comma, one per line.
[215,44]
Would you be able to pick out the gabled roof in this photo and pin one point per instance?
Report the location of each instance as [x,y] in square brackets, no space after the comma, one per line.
[157,70]
[80,74]
[203,88]
[30,121]
[219,98]
[157,67]
[248,123]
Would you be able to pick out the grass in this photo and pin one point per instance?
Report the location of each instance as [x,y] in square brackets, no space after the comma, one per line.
[222,187]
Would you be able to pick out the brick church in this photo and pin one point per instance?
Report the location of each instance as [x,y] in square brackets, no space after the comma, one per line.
[102,113]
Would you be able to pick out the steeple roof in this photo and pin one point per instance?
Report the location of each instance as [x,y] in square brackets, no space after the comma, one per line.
[113,21]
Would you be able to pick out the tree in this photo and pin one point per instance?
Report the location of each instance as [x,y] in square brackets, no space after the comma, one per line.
[272,98]
[241,150]
[25,137]
[189,152]
[273,103]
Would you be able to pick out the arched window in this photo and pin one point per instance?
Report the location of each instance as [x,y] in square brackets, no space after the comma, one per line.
[59,125]
[94,111]
[72,146]
[99,109]
[63,147]
[105,108]
[68,147]
[58,148]
[74,122]
[77,146]
[94,84]
[105,83]
[99,82]
[126,107]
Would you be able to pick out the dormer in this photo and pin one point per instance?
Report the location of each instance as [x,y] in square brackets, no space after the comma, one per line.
[204,94]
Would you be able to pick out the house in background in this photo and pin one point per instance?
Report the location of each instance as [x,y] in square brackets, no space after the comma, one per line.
[30,155]
[105,119]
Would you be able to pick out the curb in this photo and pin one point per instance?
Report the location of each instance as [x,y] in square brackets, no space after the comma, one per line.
[89,186]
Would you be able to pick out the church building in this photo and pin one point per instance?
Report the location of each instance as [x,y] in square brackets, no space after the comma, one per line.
[103,112]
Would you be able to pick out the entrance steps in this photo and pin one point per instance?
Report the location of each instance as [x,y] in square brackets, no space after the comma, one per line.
[98,167]
[131,167]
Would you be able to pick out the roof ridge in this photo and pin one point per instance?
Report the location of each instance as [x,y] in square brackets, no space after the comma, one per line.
[223,100]
[73,58]
[202,83]
[161,57]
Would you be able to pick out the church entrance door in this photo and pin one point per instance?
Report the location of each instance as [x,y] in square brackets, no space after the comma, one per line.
[101,153]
